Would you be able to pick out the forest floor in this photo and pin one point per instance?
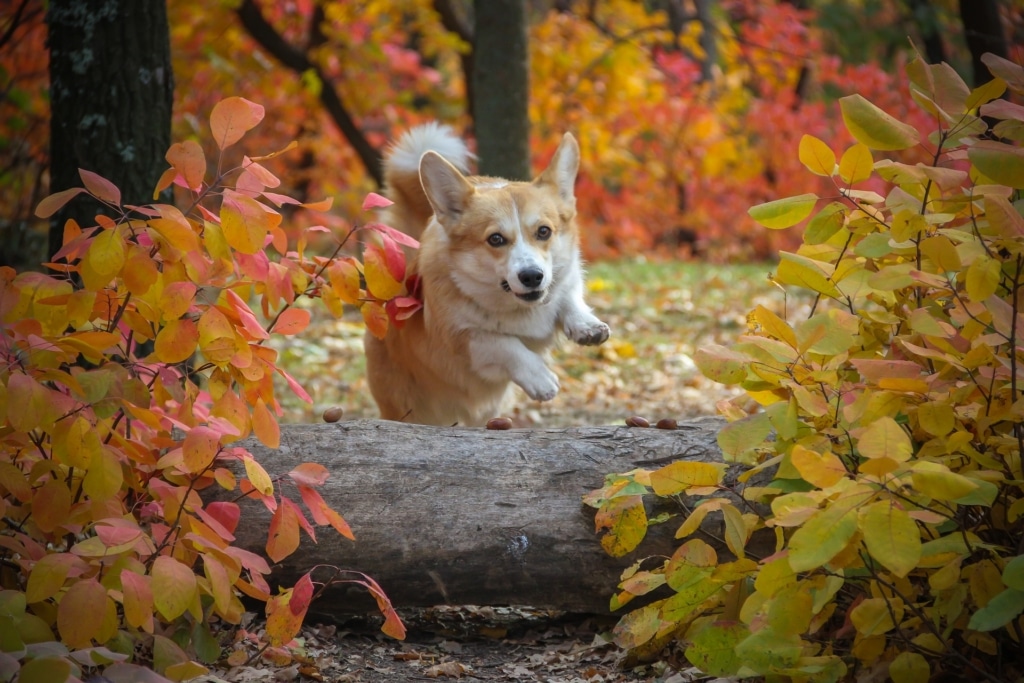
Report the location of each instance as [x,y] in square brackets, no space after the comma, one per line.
[660,314]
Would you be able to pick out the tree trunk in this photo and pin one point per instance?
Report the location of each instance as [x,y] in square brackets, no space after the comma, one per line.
[501,88]
[111,92]
[983,31]
[471,516]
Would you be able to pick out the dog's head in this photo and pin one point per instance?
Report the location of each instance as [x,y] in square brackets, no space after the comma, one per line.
[509,241]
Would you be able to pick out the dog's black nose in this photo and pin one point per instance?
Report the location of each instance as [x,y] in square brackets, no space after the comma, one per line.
[531,277]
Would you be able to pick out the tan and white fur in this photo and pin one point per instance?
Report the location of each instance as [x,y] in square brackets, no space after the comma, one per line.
[501,277]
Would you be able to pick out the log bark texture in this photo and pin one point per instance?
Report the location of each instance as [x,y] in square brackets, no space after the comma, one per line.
[472,516]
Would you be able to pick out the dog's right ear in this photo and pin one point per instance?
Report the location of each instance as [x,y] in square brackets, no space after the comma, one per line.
[446,188]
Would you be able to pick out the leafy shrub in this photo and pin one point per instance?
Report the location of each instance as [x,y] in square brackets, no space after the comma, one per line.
[892,425]
[107,548]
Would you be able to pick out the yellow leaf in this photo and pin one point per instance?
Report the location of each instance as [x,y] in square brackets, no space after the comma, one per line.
[379,281]
[983,278]
[940,250]
[103,260]
[258,476]
[820,469]
[177,341]
[872,617]
[679,476]
[891,536]
[884,438]
[938,419]
[174,587]
[199,449]
[344,274]
[244,221]
[104,479]
[773,325]
[936,481]
[626,521]
[816,156]
[804,272]
[856,164]
[909,667]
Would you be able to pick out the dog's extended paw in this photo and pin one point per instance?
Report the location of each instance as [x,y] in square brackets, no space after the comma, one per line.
[541,386]
[589,332]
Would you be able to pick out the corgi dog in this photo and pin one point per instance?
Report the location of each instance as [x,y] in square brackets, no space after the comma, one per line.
[500,277]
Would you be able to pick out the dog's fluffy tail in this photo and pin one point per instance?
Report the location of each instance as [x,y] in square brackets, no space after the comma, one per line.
[411,211]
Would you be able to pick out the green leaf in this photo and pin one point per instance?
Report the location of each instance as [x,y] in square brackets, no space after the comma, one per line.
[738,439]
[816,156]
[825,223]
[891,537]
[45,670]
[1013,573]
[1000,610]
[936,481]
[783,213]
[801,271]
[999,161]
[766,650]
[174,587]
[712,649]
[825,534]
[722,364]
[873,127]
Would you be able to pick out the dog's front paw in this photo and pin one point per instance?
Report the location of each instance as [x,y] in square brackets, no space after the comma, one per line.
[588,332]
[541,385]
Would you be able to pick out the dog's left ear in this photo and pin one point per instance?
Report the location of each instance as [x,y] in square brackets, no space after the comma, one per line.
[561,172]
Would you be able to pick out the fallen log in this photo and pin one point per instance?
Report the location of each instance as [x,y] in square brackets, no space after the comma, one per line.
[472,516]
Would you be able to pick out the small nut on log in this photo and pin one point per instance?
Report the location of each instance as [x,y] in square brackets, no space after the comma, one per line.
[499,423]
[666,423]
[333,414]
[637,421]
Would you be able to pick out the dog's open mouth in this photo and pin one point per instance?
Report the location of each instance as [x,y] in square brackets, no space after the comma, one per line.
[534,295]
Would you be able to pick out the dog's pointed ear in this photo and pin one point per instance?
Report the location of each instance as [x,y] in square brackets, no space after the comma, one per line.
[446,188]
[561,172]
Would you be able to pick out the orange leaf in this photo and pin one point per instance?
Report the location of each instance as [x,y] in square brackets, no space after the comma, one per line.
[177,341]
[216,336]
[392,623]
[232,118]
[176,299]
[137,600]
[376,318]
[220,583]
[100,187]
[310,474]
[28,404]
[283,537]
[52,204]
[265,426]
[81,612]
[199,449]
[188,160]
[292,321]
[51,505]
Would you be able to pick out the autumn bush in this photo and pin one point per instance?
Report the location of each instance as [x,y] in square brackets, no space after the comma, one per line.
[131,374]
[890,428]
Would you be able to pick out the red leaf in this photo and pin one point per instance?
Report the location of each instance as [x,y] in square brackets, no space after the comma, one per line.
[295,386]
[225,512]
[302,595]
[52,204]
[100,187]
[396,235]
[245,314]
[375,201]
[310,474]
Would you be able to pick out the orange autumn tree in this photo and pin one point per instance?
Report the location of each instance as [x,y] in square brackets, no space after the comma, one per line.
[131,375]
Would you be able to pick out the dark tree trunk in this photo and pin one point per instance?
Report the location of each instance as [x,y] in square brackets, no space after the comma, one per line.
[708,38]
[471,516]
[983,31]
[111,92]
[501,88]
[926,18]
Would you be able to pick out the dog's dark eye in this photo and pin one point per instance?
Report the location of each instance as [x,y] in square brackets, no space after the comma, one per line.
[543,232]
[497,240]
